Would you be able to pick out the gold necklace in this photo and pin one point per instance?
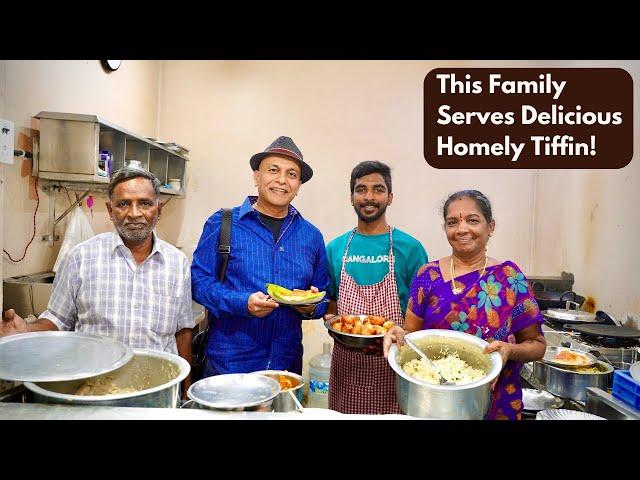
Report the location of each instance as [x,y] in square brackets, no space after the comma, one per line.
[458,290]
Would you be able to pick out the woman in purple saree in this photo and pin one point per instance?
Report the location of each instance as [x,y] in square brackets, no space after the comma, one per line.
[473,293]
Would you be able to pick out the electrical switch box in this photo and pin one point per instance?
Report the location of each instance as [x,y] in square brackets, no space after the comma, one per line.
[6,141]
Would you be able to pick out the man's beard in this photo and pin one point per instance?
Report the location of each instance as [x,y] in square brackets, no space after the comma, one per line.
[138,235]
[370,219]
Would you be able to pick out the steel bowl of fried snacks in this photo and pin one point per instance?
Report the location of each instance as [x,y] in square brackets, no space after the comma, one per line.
[358,331]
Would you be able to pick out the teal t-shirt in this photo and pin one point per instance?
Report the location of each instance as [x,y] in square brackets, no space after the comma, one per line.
[368,260]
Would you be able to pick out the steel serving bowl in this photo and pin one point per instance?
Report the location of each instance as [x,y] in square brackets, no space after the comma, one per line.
[572,383]
[155,375]
[470,401]
[235,392]
[283,401]
[350,339]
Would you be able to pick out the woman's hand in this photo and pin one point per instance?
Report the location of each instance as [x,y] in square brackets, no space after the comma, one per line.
[504,349]
[395,334]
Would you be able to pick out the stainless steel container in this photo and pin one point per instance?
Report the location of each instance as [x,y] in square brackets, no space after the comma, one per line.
[571,384]
[284,402]
[453,402]
[156,375]
[235,392]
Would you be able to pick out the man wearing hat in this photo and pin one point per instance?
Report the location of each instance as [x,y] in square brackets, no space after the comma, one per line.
[270,243]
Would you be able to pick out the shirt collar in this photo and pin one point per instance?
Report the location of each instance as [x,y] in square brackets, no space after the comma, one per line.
[116,241]
[247,206]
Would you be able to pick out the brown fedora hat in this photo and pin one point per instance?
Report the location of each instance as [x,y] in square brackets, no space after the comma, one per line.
[284,146]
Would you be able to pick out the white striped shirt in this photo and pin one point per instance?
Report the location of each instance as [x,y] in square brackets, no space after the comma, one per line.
[99,289]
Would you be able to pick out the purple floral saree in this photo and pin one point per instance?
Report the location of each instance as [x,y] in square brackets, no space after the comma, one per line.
[493,307]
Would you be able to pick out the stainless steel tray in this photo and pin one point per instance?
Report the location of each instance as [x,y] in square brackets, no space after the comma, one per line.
[59,356]
[552,352]
[561,414]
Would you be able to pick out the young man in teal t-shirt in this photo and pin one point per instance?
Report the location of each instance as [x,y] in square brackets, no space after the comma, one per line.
[371,268]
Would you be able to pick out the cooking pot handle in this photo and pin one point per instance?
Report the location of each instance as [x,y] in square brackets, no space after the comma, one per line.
[570,293]
[568,304]
[608,319]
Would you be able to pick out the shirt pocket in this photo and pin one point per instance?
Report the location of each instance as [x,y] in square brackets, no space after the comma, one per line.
[163,313]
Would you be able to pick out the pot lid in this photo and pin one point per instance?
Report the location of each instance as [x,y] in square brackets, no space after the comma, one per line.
[569,315]
[234,390]
[59,356]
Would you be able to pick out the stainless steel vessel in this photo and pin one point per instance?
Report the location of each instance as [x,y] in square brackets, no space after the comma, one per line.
[156,375]
[456,402]
[571,383]
[284,401]
[235,392]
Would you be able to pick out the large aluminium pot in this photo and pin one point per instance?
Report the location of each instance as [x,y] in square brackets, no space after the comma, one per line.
[453,402]
[155,375]
[572,384]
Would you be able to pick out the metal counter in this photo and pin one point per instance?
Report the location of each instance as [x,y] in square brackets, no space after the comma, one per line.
[37,411]
[606,405]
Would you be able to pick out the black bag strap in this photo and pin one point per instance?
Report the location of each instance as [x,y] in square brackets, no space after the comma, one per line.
[224,249]
[224,244]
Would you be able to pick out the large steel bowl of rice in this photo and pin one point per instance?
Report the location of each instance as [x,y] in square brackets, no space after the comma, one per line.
[461,359]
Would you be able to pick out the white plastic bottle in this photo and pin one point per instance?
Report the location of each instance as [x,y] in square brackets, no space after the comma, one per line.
[319,367]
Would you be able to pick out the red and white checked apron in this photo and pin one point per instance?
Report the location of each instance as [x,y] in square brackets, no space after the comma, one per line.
[361,383]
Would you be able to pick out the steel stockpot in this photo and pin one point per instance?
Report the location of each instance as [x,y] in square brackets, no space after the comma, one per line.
[573,383]
[156,376]
[470,401]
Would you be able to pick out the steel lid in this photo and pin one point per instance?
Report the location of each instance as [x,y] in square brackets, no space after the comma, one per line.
[569,315]
[59,356]
[234,390]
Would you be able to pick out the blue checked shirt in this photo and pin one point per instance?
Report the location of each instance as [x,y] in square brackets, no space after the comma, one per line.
[239,342]
[99,289]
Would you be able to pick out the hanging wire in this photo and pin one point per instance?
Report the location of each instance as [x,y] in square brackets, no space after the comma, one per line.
[34,229]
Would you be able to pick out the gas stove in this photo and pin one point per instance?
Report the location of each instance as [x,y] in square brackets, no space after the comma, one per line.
[619,352]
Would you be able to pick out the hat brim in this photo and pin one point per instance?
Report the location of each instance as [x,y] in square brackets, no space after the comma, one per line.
[305,170]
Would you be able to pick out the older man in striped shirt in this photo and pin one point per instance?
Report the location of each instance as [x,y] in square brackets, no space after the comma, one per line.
[126,284]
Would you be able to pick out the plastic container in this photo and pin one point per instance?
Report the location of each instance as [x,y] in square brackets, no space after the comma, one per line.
[626,388]
[319,367]
[175,183]
[104,165]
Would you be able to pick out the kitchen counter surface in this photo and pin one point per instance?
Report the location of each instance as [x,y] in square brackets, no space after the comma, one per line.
[36,411]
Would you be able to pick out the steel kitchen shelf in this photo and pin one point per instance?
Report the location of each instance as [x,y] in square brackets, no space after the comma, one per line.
[66,154]
[70,145]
